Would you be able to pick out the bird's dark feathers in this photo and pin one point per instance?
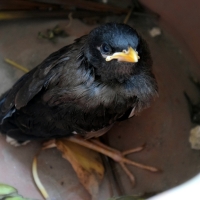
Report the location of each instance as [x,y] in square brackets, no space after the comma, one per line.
[75,90]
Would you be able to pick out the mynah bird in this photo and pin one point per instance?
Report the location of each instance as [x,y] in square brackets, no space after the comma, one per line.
[83,89]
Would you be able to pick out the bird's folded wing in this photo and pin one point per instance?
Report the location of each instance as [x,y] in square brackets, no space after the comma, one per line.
[34,81]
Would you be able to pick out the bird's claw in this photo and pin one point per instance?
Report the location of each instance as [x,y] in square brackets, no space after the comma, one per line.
[119,157]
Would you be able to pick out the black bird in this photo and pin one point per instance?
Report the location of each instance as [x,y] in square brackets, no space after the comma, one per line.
[83,88]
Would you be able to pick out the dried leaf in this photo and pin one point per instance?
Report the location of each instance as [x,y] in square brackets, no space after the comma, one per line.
[52,34]
[86,163]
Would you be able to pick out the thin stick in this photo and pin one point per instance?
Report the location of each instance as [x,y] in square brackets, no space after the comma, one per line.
[128,15]
[14,64]
[70,20]
[37,180]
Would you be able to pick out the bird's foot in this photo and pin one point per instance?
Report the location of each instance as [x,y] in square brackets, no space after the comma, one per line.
[116,155]
[14,142]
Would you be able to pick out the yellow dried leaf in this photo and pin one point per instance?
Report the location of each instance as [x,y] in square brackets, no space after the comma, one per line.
[86,163]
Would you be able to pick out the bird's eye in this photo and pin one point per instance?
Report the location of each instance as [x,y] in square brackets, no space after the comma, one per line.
[105,48]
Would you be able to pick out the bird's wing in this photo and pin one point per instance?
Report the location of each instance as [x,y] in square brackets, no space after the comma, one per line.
[34,81]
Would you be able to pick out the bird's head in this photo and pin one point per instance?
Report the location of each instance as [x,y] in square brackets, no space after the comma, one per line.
[116,51]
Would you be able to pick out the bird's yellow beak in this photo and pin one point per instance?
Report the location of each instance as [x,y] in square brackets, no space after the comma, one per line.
[127,56]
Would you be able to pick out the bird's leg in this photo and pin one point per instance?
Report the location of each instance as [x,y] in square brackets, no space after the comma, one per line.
[114,154]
